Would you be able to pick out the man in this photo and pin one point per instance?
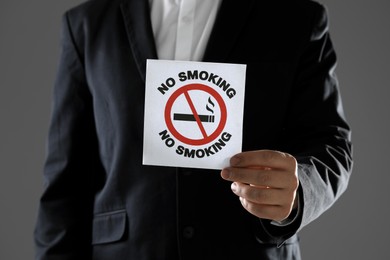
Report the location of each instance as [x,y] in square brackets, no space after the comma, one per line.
[100,202]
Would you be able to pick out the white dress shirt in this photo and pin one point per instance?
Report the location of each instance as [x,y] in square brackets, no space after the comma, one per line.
[182,28]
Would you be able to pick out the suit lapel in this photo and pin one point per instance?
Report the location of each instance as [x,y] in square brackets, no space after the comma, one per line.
[228,24]
[136,15]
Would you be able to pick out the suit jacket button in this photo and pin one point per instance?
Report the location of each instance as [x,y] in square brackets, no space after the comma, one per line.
[188,232]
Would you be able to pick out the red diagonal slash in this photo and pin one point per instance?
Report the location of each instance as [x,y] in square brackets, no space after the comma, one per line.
[195,114]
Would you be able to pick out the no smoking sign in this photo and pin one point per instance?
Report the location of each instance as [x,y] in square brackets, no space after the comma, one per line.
[188,124]
[193,113]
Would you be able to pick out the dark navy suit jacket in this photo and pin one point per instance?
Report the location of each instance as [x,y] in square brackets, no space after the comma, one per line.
[100,202]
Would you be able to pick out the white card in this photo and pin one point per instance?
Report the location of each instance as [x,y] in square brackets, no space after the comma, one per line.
[193,113]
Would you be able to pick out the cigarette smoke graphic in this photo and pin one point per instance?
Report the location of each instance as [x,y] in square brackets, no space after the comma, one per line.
[211,103]
[190,117]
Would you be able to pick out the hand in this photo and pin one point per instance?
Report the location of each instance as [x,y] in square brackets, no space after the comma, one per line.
[265,181]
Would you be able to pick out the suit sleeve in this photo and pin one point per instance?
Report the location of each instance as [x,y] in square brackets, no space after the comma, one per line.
[63,227]
[317,132]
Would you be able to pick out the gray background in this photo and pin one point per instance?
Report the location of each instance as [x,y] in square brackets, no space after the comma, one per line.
[356,227]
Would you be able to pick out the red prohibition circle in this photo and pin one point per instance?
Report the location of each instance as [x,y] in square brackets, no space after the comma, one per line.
[183,90]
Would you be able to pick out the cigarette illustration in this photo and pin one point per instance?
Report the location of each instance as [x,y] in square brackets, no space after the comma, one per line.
[190,117]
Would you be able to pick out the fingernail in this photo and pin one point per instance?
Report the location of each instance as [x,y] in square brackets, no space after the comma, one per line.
[233,187]
[225,174]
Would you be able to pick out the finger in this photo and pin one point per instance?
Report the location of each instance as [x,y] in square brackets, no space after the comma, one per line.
[267,178]
[263,158]
[272,212]
[264,196]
